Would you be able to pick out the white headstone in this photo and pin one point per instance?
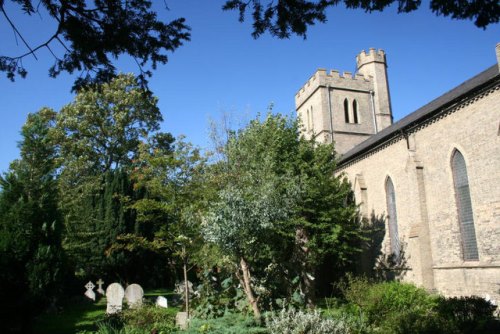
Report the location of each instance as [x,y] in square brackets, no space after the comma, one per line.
[100,282]
[134,295]
[90,290]
[114,296]
[162,302]
[181,320]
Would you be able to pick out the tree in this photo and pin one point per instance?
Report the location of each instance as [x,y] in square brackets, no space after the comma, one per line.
[98,137]
[173,178]
[30,224]
[286,17]
[279,202]
[93,33]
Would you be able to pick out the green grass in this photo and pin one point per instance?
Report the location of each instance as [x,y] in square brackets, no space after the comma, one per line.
[76,315]
[80,314]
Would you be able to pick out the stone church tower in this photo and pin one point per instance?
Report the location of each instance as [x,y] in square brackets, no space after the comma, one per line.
[344,108]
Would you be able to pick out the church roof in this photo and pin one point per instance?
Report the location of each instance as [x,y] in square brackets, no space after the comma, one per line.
[435,107]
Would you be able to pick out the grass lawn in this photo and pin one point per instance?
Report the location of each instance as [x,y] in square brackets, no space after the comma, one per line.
[80,314]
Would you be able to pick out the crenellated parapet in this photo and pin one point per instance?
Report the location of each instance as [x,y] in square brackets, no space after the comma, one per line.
[371,56]
[335,80]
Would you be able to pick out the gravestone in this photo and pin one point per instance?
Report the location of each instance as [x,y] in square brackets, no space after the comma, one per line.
[90,290]
[100,282]
[181,320]
[134,295]
[162,302]
[114,296]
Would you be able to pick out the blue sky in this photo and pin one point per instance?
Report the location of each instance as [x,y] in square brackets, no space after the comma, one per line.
[224,70]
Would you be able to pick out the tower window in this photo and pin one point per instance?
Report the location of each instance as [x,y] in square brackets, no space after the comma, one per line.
[392,218]
[464,206]
[355,111]
[346,110]
[308,120]
[312,120]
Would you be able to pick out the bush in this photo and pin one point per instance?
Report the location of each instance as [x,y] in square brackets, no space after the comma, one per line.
[230,323]
[145,320]
[393,307]
[304,322]
[470,314]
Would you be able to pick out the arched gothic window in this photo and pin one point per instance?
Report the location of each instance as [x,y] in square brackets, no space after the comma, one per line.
[312,120]
[308,120]
[346,110]
[392,217]
[355,111]
[464,206]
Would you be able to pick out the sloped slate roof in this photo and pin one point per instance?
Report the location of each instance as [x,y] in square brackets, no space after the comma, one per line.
[422,114]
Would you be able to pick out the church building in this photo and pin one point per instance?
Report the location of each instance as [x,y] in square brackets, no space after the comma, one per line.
[433,176]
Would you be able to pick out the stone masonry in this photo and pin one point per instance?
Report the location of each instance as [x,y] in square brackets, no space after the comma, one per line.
[323,102]
[416,153]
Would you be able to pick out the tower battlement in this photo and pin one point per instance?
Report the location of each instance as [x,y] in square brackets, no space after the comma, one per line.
[333,79]
[369,57]
[346,107]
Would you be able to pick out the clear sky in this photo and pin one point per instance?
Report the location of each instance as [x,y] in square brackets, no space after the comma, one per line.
[224,70]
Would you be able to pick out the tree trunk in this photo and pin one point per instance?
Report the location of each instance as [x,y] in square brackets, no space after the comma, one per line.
[186,285]
[248,288]
[307,279]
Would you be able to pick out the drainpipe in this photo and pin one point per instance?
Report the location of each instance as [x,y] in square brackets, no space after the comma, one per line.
[372,93]
[330,112]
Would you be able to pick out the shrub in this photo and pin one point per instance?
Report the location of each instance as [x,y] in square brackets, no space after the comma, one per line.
[471,314]
[230,323]
[393,307]
[380,300]
[304,322]
[145,320]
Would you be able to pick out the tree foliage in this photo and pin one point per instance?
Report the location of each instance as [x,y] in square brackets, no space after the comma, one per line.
[98,136]
[280,206]
[286,17]
[31,256]
[93,33]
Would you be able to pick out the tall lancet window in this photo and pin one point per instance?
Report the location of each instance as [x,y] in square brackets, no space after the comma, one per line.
[355,111]
[308,120]
[392,218]
[311,128]
[464,206]
[346,110]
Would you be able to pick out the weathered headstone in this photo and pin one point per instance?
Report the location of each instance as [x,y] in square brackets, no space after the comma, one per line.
[114,296]
[100,282]
[134,295]
[181,320]
[162,302]
[90,290]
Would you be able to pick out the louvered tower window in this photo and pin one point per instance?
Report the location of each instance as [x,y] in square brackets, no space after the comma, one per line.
[464,206]
[355,111]
[392,218]
[346,110]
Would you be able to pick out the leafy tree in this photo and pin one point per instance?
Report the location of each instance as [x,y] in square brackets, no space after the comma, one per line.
[172,175]
[286,17]
[279,201]
[30,224]
[98,137]
[94,33]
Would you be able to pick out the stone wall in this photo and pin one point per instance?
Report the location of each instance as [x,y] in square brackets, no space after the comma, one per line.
[419,164]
